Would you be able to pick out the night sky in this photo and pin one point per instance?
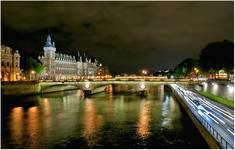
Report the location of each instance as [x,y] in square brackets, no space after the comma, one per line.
[125,36]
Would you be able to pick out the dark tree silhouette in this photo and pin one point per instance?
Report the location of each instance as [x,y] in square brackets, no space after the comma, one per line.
[185,67]
[33,64]
[216,56]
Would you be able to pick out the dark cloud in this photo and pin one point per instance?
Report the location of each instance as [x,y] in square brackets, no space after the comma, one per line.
[125,36]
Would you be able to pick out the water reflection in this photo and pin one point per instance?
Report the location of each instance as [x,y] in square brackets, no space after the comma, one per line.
[143,126]
[169,113]
[223,90]
[215,88]
[109,92]
[46,105]
[47,116]
[80,94]
[100,121]
[160,92]
[92,123]
[33,124]
[165,121]
[16,125]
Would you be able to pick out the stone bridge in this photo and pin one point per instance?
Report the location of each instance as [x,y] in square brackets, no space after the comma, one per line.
[89,87]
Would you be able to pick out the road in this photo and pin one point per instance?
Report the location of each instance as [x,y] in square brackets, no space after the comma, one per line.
[220,118]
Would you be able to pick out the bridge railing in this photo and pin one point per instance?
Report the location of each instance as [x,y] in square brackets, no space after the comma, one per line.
[214,133]
[217,136]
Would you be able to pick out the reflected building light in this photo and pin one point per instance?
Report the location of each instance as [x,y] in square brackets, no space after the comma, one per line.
[16,125]
[230,88]
[165,112]
[172,105]
[214,84]
[109,89]
[205,86]
[215,88]
[46,106]
[80,94]
[142,86]
[143,125]
[92,123]
[47,113]
[87,85]
[33,124]
[110,104]
[161,92]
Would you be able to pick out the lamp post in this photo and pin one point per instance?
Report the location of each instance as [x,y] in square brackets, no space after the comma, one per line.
[196,72]
[144,72]
[32,74]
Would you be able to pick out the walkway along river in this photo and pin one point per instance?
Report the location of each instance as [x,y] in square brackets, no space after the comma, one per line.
[118,118]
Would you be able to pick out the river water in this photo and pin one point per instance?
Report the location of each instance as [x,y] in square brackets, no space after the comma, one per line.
[222,90]
[117,118]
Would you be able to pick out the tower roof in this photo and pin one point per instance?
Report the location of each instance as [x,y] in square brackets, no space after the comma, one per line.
[48,42]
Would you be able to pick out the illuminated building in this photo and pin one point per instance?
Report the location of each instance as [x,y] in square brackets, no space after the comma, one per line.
[221,75]
[10,64]
[65,67]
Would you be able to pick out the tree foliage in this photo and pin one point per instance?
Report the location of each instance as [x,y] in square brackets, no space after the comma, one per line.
[216,56]
[33,64]
[185,67]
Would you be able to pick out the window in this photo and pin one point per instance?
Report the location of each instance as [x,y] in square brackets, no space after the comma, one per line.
[16,65]
[3,64]
[7,64]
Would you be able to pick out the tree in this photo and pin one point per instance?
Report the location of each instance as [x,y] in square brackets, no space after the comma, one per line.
[33,64]
[216,56]
[185,67]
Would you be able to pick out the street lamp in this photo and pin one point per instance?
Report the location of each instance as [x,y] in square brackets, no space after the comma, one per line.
[142,86]
[33,73]
[87,85]
[196,72]
[144,72]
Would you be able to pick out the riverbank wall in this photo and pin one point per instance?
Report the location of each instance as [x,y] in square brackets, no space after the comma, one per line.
[203,131]
[23,88]
[20,88]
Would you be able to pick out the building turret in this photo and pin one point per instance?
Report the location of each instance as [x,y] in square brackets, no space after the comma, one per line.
[49,57]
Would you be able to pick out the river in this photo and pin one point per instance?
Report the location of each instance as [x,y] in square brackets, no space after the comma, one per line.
[117,118]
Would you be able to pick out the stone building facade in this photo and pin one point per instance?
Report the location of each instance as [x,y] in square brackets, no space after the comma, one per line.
[65,67]
[10,64]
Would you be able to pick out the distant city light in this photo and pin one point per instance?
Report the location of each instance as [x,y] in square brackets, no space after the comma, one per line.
[87,85]
[144,72]
[230,88]
[196,70]
[33,72]
[142,85]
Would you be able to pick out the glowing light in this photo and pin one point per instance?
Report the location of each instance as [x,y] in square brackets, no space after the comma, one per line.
[143,125]
[33,72]
[196,70]
[230,88]
[87,85]
[205,85]
[215,88]
[92,123]
[142,85]
[144,72]
[16,124]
